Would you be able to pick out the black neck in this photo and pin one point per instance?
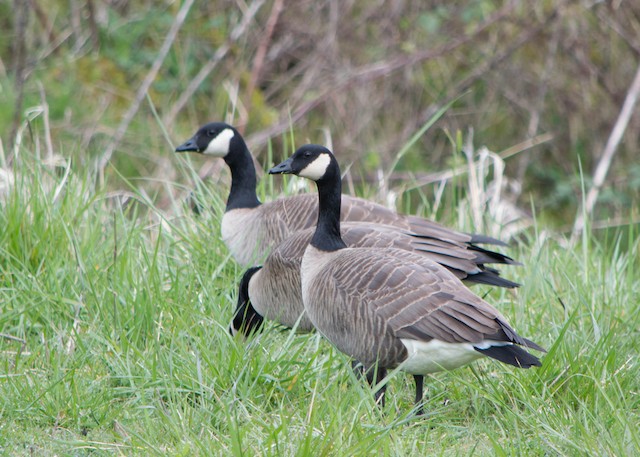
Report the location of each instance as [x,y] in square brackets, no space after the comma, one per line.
[243,177]
[327,235]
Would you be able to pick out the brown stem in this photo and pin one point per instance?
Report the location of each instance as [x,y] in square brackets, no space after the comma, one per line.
[21,11]
[258,61]
[144,87]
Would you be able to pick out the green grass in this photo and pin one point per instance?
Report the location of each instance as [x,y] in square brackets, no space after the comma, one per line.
[119,313]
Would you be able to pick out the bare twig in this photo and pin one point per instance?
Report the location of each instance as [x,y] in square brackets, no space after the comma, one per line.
[93,25]
[258,61]
[75,21]
[207,68]
[100,108]
[608,153]
[53,46]
[614,223]
[43,18]
[538,103]
[628,38]
[144,87]
[21,11]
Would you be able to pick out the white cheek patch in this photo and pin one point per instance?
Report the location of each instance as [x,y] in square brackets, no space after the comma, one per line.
[219,146]
[316,169]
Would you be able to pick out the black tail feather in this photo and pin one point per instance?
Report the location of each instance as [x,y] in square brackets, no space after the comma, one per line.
[513,337]
[484,239]
[491,277]
[486,256]
[511,354]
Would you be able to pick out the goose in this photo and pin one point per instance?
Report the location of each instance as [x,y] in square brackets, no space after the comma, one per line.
[250,229]
[389,308]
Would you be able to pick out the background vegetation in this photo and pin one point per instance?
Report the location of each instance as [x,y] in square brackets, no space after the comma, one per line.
[542,83]
[115,298]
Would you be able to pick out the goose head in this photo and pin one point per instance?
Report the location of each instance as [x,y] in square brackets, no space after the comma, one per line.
[215,139]
[310,161]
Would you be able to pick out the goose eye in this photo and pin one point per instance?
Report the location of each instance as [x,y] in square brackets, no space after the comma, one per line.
[211,133]
[307,154]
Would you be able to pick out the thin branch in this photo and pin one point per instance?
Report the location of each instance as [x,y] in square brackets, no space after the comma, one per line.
[608,153]
[52,47]
[628,38]
[93,25]
[144,87]
[44,21]
[76,24]
[21,20]
[258,61]
[207,68]
[547,71]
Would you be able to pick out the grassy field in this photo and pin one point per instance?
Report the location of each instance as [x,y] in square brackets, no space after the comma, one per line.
[114,318]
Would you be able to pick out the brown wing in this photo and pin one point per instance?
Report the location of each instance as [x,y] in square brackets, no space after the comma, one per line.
[354,209]
[285,216]
[419,299]
[458,259]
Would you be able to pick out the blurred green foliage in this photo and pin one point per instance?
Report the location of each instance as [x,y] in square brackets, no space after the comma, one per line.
[370,75]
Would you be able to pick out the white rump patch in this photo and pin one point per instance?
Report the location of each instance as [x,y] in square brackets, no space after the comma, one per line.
[489,343]
[316,169]
[435,355]
[219,146]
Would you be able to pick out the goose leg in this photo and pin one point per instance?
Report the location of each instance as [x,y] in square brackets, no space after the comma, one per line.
[375,375]
[357,368]
[419,379]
